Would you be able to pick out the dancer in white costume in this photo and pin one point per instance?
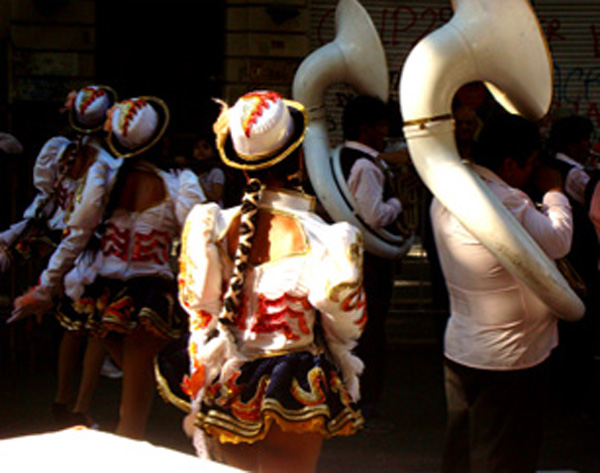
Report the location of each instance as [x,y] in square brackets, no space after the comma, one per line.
[275,301]
[117,248]
[59,171]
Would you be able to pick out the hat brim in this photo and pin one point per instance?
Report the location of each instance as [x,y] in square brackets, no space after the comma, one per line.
[82,128]
[162,110]
[232,159]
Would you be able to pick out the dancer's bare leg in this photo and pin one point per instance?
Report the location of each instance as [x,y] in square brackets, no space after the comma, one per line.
[243,456]
[139,387]
[278,452]
[69,360]
[115,350]
[95,353]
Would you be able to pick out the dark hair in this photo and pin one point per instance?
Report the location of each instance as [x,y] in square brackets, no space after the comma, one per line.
[569,130]
[362,110]
[281,170]
[249,215]
[504,136]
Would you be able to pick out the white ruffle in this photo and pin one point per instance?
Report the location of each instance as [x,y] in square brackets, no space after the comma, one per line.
[187,193]
[349,364]
[80,276]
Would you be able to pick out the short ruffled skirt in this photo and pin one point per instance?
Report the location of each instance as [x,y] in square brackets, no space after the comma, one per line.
[37,242]
[301,392]
[115,306]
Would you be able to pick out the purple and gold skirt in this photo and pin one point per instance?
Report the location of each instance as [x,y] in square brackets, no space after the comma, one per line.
[301,392]
[116,306]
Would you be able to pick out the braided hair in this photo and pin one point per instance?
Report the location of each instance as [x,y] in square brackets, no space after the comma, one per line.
[286,172]
[277,166]
[233,296]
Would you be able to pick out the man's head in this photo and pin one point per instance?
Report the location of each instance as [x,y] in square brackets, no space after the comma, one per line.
[466,124]
[365,119]
[571,136]
[509,145]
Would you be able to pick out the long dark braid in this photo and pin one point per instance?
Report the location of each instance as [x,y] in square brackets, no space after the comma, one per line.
[233,296]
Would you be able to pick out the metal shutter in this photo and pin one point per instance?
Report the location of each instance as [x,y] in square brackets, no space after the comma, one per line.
[572,29]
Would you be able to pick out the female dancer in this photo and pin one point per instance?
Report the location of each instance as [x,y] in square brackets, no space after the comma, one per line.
[59,170]
[118,240]
[275,300]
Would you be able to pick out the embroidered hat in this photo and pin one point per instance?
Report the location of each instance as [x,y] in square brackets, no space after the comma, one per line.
[88,112]
[260,130]
[136,125]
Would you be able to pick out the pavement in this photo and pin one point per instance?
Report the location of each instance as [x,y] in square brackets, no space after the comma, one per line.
[408,439]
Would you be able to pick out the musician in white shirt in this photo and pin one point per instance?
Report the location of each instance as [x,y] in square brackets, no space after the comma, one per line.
[500,334]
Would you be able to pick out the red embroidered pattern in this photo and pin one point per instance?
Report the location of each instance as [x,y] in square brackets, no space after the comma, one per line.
[259,101]
[355,300]
[121,310]
[230,389]
[153,246]
[89,95]
[272,315]
[64,197]
[200,320]
[130,109]
[192,384]
[250,411]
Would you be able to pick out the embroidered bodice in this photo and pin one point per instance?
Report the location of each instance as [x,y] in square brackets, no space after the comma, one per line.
[133,243]
[139,243]
[282,298]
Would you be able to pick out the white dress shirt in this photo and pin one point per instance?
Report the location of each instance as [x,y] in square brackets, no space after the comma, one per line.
[496,322]
[366,184]
[576,180]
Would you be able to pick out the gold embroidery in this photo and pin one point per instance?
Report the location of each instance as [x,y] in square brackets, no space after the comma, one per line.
[227,429]
[316,395]
[248,411]
[354,255]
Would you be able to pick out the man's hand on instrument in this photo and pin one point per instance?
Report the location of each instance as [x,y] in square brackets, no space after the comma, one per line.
[30,303]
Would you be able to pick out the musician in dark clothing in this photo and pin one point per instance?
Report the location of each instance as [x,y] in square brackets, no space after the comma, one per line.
[366,125]
[570,145]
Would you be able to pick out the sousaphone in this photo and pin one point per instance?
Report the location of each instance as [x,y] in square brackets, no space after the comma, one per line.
[499,42]
[355,57]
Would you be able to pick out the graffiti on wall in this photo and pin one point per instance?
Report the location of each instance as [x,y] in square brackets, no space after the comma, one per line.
[574,43]
[576,81]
